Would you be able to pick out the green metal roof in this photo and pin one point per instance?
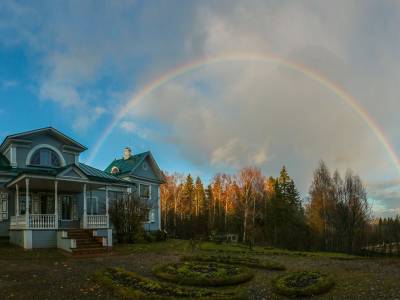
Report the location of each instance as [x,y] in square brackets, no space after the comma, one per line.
[92,173]
[126,165]
[99,175]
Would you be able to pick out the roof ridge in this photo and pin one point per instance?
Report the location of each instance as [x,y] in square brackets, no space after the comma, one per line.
[32,131]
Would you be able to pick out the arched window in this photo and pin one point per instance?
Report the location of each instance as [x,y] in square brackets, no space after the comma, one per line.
[114,170]
[45,157]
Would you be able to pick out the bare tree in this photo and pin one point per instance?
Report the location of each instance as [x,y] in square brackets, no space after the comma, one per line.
[127,214]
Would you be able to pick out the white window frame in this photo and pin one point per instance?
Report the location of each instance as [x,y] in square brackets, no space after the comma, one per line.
[37,147]
[140,190]
[152,216]
[3,206]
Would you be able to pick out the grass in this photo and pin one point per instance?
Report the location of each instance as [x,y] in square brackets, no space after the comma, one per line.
[258,250]
[251,262]
[303,284]
[129,285]
[203,273]
[169,246]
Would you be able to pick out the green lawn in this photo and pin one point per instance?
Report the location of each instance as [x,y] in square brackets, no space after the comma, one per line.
[257,250]
[50,274]
[170,246]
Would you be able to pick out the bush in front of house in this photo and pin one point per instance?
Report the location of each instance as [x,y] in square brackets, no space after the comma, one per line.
[155,236]
[129,285]
[127,214]
[203,273]
[303,284]
[247,261]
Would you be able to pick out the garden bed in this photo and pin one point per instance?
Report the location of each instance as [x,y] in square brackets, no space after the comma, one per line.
[129,285]
[237,260]
[301,284]
[203,273]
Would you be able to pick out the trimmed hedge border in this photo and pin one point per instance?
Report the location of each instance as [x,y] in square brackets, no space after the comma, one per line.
[197,273]
[237,260]
[129,285]
[303,284]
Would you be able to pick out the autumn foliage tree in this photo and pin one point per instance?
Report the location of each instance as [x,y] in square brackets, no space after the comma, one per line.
[338,211]
[258,209]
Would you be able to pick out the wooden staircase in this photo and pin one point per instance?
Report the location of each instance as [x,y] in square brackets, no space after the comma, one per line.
[86,244]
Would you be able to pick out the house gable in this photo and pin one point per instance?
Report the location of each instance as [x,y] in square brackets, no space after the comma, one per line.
[147,169]
[19,148]
[142,166]
[72,172]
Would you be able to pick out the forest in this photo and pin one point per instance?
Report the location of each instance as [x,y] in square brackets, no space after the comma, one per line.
[265,210]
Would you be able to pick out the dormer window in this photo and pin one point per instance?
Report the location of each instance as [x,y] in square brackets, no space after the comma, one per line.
[114,170]
[45,157]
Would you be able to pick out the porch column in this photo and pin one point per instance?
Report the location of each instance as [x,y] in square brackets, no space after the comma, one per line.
[56,204]
[84,207]
[17,200]
[27,197]
[107,206]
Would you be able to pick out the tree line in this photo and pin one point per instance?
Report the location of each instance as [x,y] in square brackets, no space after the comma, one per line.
[269,210]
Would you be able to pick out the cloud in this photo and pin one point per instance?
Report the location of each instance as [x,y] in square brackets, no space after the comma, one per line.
[128,126]
[228,115]
[7,84]
[100,46]
[222,116]
[236,153]
[385,197]
[144,133]
[91,116]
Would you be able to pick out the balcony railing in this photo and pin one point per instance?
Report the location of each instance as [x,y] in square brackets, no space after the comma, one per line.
[97,221]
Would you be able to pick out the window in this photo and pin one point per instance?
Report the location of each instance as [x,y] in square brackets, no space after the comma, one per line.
[114,170]
[93,206]
[22,204]
[68,208]
[45,157]
[150,217]
[3,206]
[144,191]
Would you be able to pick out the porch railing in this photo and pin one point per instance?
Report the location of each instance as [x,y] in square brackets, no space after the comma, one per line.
[97,221]
[18,222]
[42,221]
[36,221]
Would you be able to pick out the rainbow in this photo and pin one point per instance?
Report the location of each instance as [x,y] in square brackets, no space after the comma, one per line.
[253,57]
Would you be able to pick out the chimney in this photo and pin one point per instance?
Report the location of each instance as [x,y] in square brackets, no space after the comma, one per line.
[127,153]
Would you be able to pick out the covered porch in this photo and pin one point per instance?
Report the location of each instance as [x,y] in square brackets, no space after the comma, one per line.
[52,203]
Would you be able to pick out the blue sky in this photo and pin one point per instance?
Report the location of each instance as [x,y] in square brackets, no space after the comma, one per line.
[75,64]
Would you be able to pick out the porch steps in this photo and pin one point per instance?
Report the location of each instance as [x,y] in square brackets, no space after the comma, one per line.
[86,244]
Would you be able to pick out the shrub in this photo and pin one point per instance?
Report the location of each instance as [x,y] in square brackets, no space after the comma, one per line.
[203,274]
[237,260]
[303,284]
[127,214]
[129,285]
